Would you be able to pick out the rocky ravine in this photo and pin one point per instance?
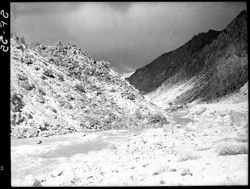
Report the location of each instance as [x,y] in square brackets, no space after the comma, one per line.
[60,89]
[208,66]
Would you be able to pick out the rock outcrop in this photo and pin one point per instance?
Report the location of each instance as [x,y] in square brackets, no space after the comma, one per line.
[208,66]
[61,89]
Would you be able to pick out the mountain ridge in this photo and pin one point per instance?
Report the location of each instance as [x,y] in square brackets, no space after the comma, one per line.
[198,60]
[190,47]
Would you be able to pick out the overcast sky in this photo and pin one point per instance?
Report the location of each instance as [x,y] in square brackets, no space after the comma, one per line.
[127,34]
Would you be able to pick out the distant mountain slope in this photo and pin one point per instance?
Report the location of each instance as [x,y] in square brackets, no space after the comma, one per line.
[151,76]
[210,65]
[60,89]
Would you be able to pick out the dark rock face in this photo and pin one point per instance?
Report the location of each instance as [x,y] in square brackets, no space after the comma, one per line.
[185,58]
[217,60]
[226,63]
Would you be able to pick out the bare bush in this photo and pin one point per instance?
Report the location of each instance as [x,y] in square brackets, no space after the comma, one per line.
[49,73]
[41,91]
[232,148]
[80,88]
[26,85]
[60,77]
[242,138]
[138,114]
[158,118]
[112,90]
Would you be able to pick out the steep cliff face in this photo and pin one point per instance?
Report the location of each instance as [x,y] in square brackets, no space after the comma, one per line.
[210,65]
[60,89]
[151,76]
[226,63]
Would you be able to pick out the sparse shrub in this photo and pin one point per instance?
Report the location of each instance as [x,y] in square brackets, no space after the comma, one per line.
[49,73]
[112,90]
[51,60]
[43,77]
[232,148]
[60,77]
[42,92]
[242,138]
[29,116]
[40,99]
[131,97]
[61,103]
[104,64]
[28,61]
[57,62]
[68,105]
[70,97]
[37,68]
[98,93]
[158,118]
[35,44]
[138,114]
[17,118]
[22,77]
[21,40]
[80,88]
[43,127]
[92,124]
[26,85]
[54,110]
[37,183]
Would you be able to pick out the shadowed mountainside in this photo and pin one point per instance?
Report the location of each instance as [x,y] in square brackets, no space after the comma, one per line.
[208,66]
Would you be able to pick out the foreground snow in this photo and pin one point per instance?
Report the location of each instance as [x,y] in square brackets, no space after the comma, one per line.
[211,149]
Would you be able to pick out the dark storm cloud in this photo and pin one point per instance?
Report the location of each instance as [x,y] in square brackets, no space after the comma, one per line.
[129,35]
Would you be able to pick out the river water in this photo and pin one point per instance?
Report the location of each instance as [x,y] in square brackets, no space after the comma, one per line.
[30,158]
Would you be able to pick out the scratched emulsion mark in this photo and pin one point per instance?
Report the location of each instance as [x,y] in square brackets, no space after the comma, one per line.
[75,148]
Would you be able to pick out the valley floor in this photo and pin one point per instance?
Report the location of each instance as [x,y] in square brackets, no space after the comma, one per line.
[205,144]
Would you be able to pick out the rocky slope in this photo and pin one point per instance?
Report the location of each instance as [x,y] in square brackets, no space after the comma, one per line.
[61,89]
[210,65]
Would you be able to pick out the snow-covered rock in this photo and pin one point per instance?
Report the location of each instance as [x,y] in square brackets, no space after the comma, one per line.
[60,89]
